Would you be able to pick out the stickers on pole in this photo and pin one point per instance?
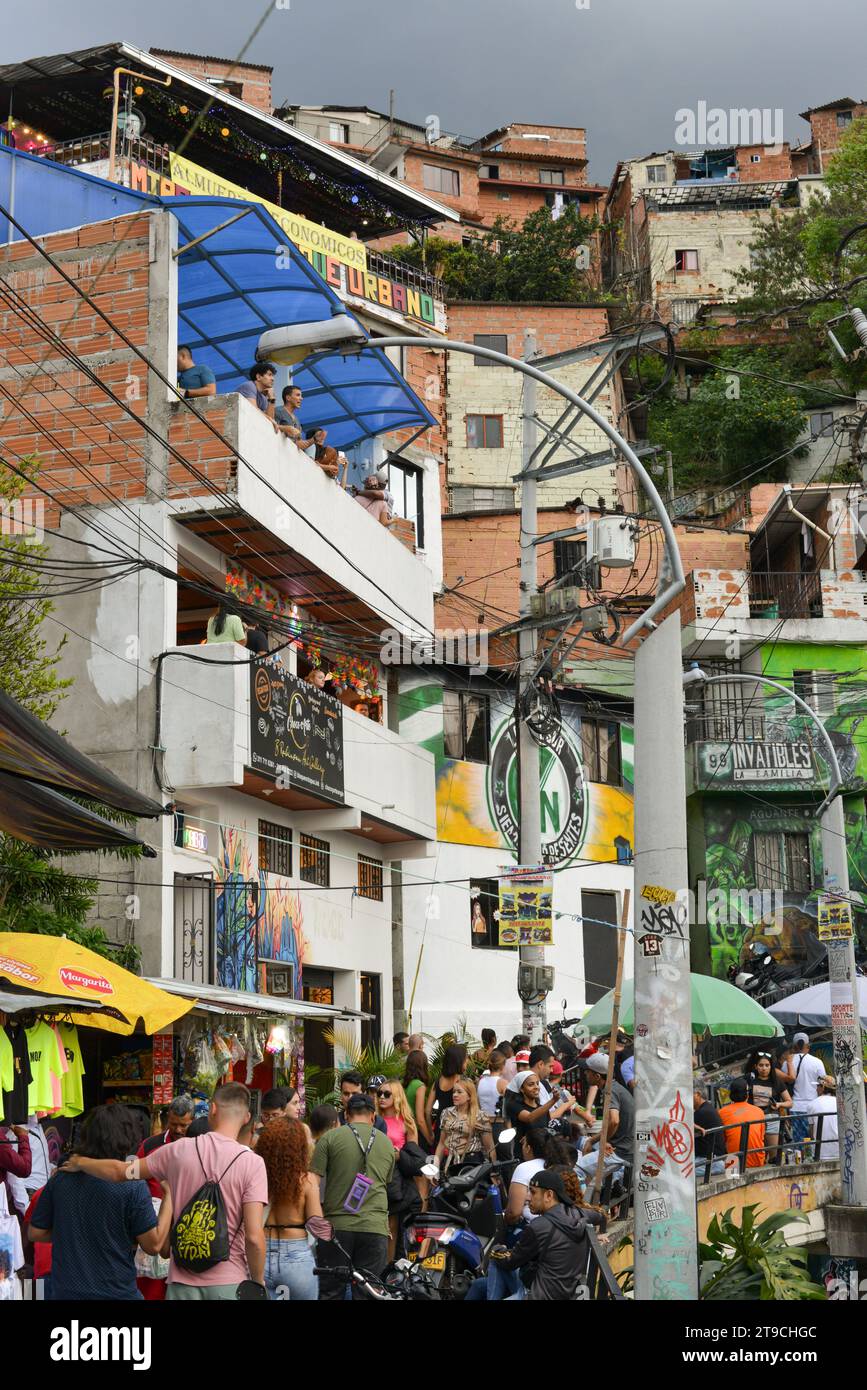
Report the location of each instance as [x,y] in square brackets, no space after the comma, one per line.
[662,915]
[526,915]
[835,918]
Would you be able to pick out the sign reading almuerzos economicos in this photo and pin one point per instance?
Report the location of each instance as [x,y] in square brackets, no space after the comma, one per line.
[296,732]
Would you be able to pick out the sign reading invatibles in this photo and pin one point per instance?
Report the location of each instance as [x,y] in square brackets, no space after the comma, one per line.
[296,733]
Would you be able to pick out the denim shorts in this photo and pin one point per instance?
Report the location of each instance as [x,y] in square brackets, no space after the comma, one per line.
[289,1266]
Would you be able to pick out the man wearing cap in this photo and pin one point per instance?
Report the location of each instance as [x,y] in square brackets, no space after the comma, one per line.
[555,1242]
[621,1124]
[808,1085]
[355,1163]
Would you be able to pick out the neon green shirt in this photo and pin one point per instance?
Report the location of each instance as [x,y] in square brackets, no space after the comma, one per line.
[71,1085]
[44,1063]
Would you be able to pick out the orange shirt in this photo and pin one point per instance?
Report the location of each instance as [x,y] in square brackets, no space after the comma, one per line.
[738,1113]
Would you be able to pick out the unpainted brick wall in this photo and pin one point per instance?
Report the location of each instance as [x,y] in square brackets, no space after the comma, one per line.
[255,81]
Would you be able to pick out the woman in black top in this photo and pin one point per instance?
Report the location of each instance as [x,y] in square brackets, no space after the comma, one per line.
[771,1095]
[440,1095]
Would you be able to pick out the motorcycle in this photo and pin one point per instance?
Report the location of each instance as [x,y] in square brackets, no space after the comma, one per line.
[402,1282]
[463,1222]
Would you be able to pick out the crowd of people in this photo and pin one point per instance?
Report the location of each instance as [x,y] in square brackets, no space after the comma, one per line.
[228,1205]
[197,381]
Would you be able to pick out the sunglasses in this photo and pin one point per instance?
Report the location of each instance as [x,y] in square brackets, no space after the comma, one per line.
[768,1056]
[384,1095]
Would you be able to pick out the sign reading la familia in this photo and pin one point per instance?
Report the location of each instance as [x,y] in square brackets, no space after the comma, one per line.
[756,761]
[296,733]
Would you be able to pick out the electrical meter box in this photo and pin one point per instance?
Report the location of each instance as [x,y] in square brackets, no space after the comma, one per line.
[610,542]
[535,979]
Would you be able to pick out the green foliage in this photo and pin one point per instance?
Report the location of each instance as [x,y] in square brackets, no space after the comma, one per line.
[508,263]
[27,663]
[753,1261]
[731,423]
[369,1061]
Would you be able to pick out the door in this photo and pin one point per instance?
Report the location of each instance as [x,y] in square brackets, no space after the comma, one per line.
[194,928]
[318,988]
[599,911]
[371,1001]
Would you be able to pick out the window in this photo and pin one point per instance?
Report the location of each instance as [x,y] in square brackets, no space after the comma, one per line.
[484,431]
[504,197]
[844,118]
[371,1003]
[600,751]
[484,902]
[275,848]
[370,878]
[817,689]
[656,173]
[440,180]
[781,860]
[466,726]
[821,424]
[551,176]
[755,159]
[489,171]
[565,199]
[568,554]
[497,342]
[686,260]
[599,913]
[405,483]
[338,133]
[315,866]
[483,499]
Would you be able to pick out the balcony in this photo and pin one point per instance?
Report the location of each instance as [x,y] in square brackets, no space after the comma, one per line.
[206,733]
[325,550]
[757,601]
[785,595]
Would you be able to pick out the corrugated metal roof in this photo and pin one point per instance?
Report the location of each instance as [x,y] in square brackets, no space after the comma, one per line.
[213,998]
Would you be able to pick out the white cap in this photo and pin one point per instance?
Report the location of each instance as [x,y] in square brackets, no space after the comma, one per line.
[801,1037]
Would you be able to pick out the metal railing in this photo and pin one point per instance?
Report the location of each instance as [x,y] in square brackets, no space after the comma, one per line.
[415,279]
[88,149]
[724,726]
[600,1279]
[810,1147]
[785,594]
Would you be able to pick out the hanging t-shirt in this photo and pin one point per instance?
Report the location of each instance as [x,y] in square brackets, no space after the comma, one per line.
[6,1069]
[15,1108]
[71,1084]
[46,1066]
[11,1252]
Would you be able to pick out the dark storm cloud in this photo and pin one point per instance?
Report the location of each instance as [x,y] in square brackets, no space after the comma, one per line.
[622,68]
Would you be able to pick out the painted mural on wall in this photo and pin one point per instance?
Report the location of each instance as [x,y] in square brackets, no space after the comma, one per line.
[258,917]
[477,802]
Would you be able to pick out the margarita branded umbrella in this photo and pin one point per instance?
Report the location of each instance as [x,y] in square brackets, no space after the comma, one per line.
[811,1008]
[717,1007]
[57,966]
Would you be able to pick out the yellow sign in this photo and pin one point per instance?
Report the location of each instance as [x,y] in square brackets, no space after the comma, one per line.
[835,919]
[658,895]
[309,237]
[526,916]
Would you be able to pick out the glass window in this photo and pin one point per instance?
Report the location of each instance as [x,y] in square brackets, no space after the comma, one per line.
[568,555]
[686,260]
[844,118]
[755,159]
[369,878]
[339,133]
[466,726]
[656,173]
[483,499]
[551,176]
[821,424]
[406,486]
[600,751]
[489,171]
[441,180]
[275,848]
[817,689]
[484,431]
[497,342]
[315,856]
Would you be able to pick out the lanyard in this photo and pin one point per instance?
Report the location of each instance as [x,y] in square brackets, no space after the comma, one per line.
[364,1151]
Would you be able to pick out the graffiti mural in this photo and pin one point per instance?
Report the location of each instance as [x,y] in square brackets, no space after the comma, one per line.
[258,918]
[583,816]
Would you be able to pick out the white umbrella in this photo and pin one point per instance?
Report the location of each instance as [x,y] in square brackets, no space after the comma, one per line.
[811,1008]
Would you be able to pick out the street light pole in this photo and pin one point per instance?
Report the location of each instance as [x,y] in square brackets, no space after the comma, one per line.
[529,791]
[842,973]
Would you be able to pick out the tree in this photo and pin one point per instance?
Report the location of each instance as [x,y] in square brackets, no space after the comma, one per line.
[541,260]
[36,894]
[732,424]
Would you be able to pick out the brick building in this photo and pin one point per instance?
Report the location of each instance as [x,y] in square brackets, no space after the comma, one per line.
[249,82]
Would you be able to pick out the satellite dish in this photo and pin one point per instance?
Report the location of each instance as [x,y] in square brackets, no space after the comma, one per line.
[131,124]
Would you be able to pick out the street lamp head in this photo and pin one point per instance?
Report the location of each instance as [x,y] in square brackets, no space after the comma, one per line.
[295,341]
[694,676]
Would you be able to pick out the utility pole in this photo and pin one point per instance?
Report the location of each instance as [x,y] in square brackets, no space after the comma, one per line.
[530,801]
[666,1255]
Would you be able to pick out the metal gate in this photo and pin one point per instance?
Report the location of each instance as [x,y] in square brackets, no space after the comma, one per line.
[194,928]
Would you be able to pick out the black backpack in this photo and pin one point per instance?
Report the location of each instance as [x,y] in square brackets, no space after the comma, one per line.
[200,1236]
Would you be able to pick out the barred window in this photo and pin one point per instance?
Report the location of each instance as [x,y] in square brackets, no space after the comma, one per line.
[275,848]
[315,865]
[369,878]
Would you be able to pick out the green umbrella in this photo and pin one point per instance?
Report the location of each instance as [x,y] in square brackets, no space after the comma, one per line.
[717,1007]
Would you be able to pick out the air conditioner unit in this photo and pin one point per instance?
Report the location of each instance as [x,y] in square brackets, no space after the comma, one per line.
[610,542]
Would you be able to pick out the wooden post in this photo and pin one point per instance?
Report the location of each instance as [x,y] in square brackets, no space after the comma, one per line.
[615,1020]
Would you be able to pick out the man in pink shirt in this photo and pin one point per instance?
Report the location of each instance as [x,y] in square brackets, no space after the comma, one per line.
[213,1157]
[373,500]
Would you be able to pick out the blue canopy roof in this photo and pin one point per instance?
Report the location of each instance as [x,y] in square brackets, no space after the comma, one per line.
[234,285]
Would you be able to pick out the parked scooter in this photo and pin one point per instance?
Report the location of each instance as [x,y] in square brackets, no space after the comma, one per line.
[402,1282]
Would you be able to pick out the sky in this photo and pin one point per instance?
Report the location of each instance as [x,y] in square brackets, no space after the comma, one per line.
[620,68]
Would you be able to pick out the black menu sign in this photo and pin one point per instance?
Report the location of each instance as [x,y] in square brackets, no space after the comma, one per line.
[296,733]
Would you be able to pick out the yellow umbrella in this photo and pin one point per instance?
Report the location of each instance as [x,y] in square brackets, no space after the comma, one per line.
[54,965]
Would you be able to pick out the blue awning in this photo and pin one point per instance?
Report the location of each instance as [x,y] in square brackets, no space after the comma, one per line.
[245,279]
[232,287]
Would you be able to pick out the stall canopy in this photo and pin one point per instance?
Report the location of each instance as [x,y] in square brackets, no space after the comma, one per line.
[215,999]
[42,817]
[65,970]
[28,1001]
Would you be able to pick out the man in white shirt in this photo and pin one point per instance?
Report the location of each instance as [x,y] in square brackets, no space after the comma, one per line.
[825,1105]
[807,1086]
[41,1167]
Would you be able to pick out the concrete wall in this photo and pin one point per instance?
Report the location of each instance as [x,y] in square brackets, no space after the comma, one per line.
[722,240]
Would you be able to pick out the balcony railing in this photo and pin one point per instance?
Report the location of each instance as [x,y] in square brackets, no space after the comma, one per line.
[380,264]
[785,595]
[725,726]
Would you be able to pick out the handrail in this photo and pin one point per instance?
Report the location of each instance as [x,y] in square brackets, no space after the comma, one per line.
[809,1141]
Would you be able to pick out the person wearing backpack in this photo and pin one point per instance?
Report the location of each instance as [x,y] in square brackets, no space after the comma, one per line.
[219,1191]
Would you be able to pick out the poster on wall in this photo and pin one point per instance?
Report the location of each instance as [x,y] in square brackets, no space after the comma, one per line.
[526,906]
[296,732]
[835,918]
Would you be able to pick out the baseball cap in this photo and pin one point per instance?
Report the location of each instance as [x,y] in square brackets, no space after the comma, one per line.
[801,1037]
[556,1068]
[373,1082]
[523,1057]
[359,1101]
[551,1182]
[598,1062]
